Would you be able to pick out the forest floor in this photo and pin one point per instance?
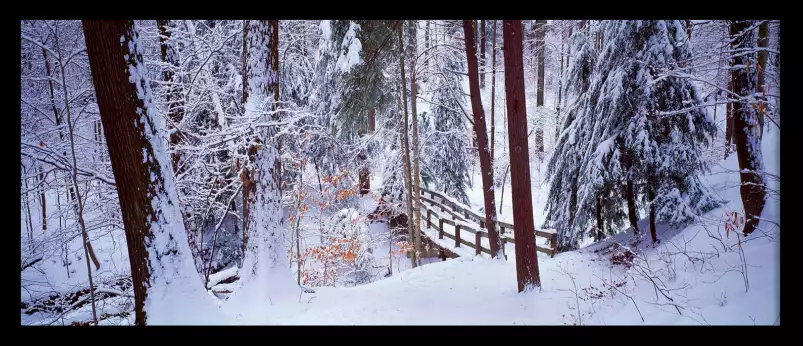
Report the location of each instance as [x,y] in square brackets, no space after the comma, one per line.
[699,274]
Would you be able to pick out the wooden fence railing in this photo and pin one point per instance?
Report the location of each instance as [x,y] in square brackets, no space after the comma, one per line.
[461,215]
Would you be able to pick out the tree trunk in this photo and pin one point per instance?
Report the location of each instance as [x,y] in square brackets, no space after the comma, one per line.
[56,113]
[428,42]
[158,250]
[540,49]
[626,162]
[416,152]
[763,43]
[493,94]
[482,53]
[600,225]
[42,198]
[80,214]
[173,99]
[29,220]
[482,141]
[406,146]
[365,173]
[651,197]
[748,147]
[729,115]
[245,176]
[560,90]
[524,230]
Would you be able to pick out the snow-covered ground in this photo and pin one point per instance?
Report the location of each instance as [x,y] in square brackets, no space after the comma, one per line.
[690,278]
[697,275]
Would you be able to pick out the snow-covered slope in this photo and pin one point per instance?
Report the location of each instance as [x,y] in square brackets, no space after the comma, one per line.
[690,278]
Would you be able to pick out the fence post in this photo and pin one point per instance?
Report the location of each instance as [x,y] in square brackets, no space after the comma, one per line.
[554,241]
[457,235]
[478,244]
[440,231]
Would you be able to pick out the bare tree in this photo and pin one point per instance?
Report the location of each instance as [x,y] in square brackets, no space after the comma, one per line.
[406,146]
[540,50]
[482,141]
[526,258]
[416,218]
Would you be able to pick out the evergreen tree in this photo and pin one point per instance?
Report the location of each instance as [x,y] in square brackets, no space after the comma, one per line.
[447,151]
[632,131]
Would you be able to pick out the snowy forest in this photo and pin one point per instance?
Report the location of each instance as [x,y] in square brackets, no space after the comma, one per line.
[400,172]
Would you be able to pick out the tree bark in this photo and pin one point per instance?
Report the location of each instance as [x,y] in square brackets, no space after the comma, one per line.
[482,53]
[42,198]
[416,153]
[173,99]
[482,141]
[763,43]
[626,162]
[748,145]
[493,95]
[135,151]
[600,225]
[651,197]
[729,116]
[560,89]
[406,146]
[524,231]
[540,49]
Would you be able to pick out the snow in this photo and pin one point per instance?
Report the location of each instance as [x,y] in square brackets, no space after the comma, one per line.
[456,292]
[351,49]
[224,274]
[698,266]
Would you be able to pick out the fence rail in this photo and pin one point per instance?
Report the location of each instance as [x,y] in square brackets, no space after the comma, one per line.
[461,215]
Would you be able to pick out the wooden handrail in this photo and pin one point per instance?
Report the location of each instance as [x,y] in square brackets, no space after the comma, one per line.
[452,208]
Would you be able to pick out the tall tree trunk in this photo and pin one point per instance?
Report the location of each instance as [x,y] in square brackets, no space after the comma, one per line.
[493,94]
[600,225]
[245,175]
[560,90]
[173,98]
[763,43]
[748,146]
[406,146]
[416,153]
[626,163]
[42,198]
[482,141]
[428,42]
[524,230]
[540,49]
[729,115]
[158,250]
[80,215]
[482,53]
[651,197]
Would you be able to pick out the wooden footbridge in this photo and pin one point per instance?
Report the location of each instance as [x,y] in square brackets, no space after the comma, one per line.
[446,217]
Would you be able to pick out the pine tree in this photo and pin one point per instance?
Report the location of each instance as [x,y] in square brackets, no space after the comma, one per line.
[448,153]
[639,132]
